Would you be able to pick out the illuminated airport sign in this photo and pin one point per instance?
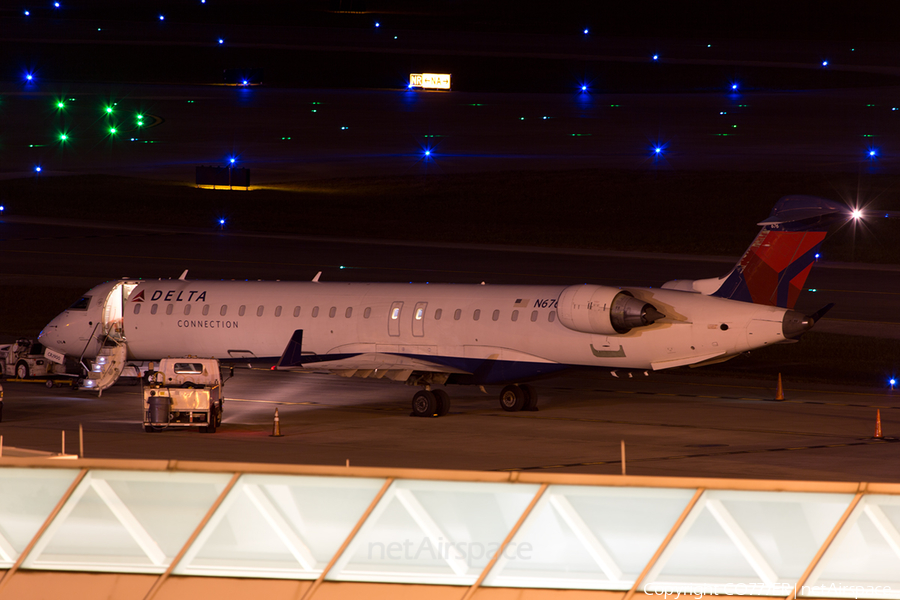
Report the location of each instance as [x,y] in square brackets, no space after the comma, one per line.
[430,81]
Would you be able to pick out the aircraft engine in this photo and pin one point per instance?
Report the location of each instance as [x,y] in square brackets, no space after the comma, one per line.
[603,310]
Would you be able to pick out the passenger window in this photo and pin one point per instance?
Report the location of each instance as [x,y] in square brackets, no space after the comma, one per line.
[153,308]
[242,310]
[437,314]
[277,311]
[534,316]
[137,308]
[205,310]
[223,310]
[552,316]
[477,314]
[315,311]
[187,309]
[348,312]
[457,314]
[420,312]
[260,310]
[169,308]
[515,315]
[367,312]
[296,311]
[332,312]
[395,314]
[496,315]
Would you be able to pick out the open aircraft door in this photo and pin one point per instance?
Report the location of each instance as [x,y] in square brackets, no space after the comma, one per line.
[106,368]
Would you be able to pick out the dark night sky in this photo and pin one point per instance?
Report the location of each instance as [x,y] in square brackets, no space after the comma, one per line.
[784,20]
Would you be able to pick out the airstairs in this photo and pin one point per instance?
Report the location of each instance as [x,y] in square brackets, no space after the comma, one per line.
[107,366]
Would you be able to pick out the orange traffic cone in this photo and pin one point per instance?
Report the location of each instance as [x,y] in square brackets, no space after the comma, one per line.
[878,435]
[276,426]
[779,391]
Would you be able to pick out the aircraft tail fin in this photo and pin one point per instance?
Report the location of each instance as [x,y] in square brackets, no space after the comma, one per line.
[774,268]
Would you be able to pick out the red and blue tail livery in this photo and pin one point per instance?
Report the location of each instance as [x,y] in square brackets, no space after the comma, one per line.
[774,268]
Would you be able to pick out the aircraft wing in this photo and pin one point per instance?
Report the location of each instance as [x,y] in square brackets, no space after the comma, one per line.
[358,364]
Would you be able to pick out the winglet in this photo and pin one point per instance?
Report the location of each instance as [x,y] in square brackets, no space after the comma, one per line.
[292,352]
[183,276]
[316,278]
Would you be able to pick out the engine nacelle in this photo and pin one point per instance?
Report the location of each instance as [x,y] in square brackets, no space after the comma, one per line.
[603,310]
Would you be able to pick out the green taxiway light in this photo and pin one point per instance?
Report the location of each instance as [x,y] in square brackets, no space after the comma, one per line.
[63,137]
[112,131]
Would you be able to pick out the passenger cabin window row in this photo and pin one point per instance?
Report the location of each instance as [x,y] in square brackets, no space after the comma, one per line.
[348,312]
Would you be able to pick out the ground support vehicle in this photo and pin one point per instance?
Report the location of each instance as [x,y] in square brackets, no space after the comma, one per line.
[183,392]
[26,359]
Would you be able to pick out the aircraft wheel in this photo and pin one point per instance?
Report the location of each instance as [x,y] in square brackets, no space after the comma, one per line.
[512,398]
[443,399]
[531,397]
[49,384]
[219,416]
[22,370]
[424,404]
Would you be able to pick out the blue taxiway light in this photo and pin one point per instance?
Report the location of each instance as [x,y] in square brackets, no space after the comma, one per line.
[162,17]
[27,13]
[656,57]
[37,169]
[221,41]
[734,86]
[584,88]
[586,31]
[824,63]
[377,24]
[2,208]
[56,5]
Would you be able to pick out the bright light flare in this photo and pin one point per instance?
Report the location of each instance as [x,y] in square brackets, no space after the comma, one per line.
[856,214]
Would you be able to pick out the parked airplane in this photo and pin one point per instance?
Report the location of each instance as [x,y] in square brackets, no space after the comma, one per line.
[428,335]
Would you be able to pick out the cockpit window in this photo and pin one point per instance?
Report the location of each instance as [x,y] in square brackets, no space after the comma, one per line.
[81,304]
[188,368]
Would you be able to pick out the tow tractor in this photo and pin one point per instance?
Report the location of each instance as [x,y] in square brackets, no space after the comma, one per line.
[29,359]
[183,392]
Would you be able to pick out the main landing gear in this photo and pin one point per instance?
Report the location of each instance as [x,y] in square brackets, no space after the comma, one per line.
[430,403]
[518,396]
[436,403]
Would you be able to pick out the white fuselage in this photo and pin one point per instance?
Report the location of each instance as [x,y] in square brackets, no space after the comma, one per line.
[462,327]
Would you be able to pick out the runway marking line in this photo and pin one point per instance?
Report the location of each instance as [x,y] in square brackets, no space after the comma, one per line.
[683,456]
[669,394]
